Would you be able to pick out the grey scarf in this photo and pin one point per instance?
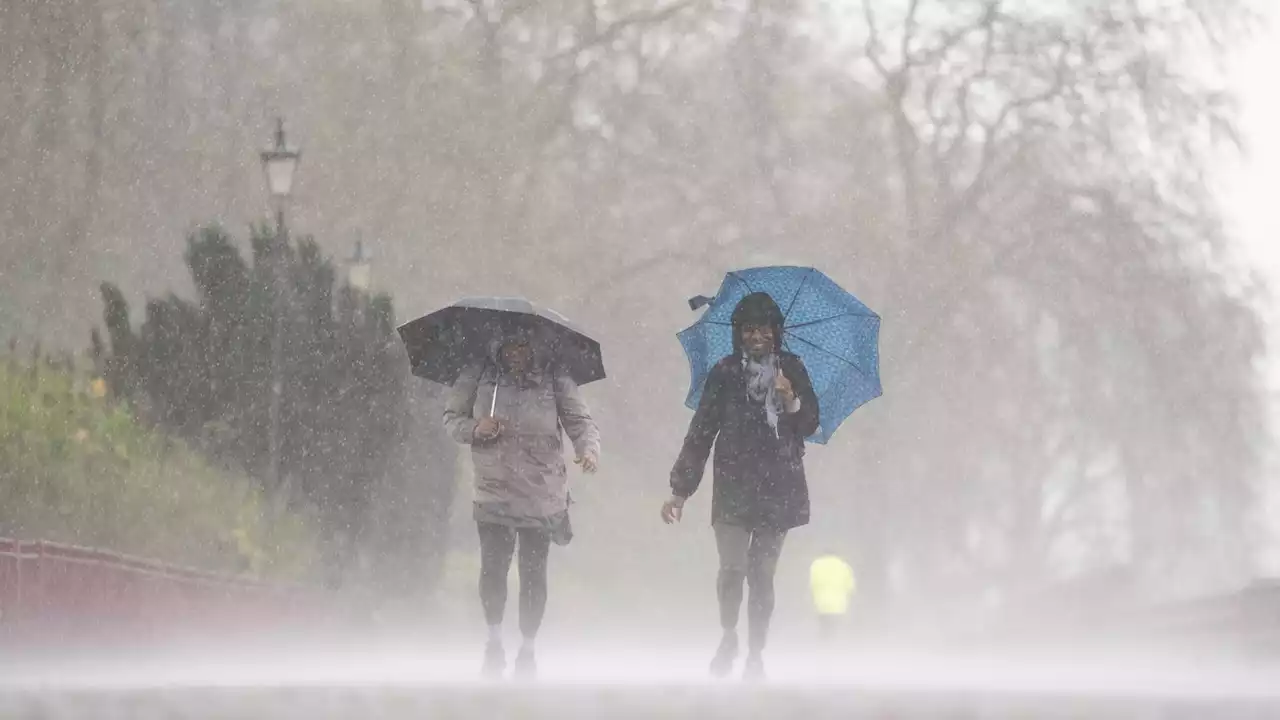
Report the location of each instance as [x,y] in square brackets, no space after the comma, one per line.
[762,377]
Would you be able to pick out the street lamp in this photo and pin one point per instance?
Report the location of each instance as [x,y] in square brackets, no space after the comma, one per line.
[279,163]
[359,280]
[359,272]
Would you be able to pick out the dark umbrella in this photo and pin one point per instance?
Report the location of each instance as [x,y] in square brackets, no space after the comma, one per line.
[441,344]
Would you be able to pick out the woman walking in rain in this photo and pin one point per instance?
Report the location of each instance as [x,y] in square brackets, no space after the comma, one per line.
[510,409]
[757,407]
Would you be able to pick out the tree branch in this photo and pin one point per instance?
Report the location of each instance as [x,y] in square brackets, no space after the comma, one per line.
[615,28]
[908,33]
[561,112]
[763,121]
[950,155]
[872,47]
[993,136]
[594,36]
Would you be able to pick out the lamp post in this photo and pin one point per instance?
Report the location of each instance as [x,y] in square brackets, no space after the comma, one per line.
[359,280]
[359,283]
[359,272]
[279,163]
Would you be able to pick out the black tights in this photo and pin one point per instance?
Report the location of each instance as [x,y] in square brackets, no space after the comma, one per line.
[497,545]
[750,555]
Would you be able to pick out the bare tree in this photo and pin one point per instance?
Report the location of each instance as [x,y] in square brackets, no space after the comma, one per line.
[981,98]
[1018,191]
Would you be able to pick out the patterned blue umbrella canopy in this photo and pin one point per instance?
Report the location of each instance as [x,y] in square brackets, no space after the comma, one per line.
[833,332]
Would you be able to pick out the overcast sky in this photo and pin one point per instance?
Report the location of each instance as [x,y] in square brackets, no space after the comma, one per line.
[1251,188]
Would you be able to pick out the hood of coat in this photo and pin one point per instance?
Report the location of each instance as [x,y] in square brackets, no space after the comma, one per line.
[757,308]
[538,342]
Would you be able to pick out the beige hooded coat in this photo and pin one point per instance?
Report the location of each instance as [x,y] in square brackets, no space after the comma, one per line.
[520,477]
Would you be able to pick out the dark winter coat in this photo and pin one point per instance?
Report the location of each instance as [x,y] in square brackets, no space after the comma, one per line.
[759,479]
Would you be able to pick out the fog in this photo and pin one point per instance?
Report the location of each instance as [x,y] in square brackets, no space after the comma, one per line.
[1075,418]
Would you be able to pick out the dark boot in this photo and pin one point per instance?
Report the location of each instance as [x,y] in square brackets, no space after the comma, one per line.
[722,663]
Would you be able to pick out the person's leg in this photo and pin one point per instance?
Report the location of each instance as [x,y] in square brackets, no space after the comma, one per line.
[497,543]
[732,543]
[762,563]
[535,546]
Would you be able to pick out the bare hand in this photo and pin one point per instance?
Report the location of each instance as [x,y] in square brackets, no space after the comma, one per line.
[673,509]
[783,386]
[589,462]
[488,429]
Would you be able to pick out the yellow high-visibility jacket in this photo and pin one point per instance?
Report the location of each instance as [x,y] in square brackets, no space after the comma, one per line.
[833,584]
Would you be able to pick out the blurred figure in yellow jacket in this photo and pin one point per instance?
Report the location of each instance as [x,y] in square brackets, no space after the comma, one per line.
[833,585]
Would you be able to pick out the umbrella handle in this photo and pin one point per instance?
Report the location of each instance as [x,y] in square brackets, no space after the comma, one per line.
[493,404]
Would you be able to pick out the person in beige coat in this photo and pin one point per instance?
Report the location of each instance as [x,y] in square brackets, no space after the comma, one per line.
[511,409]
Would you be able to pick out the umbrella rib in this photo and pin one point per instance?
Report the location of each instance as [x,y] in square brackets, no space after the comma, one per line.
[837,316]
[742,280]
[819,348]
[799,289]
[798,325]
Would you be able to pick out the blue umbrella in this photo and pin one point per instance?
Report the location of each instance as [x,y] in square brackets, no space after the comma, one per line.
[835,335]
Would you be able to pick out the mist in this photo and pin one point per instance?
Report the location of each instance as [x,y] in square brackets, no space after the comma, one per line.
[1075,420]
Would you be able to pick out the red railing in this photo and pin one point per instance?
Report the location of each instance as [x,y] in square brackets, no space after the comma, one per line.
[49,591]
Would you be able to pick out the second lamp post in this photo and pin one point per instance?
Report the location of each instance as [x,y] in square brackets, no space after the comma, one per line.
[279,163]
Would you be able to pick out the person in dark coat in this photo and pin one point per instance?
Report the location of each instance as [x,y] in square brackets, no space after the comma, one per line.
[757,408]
